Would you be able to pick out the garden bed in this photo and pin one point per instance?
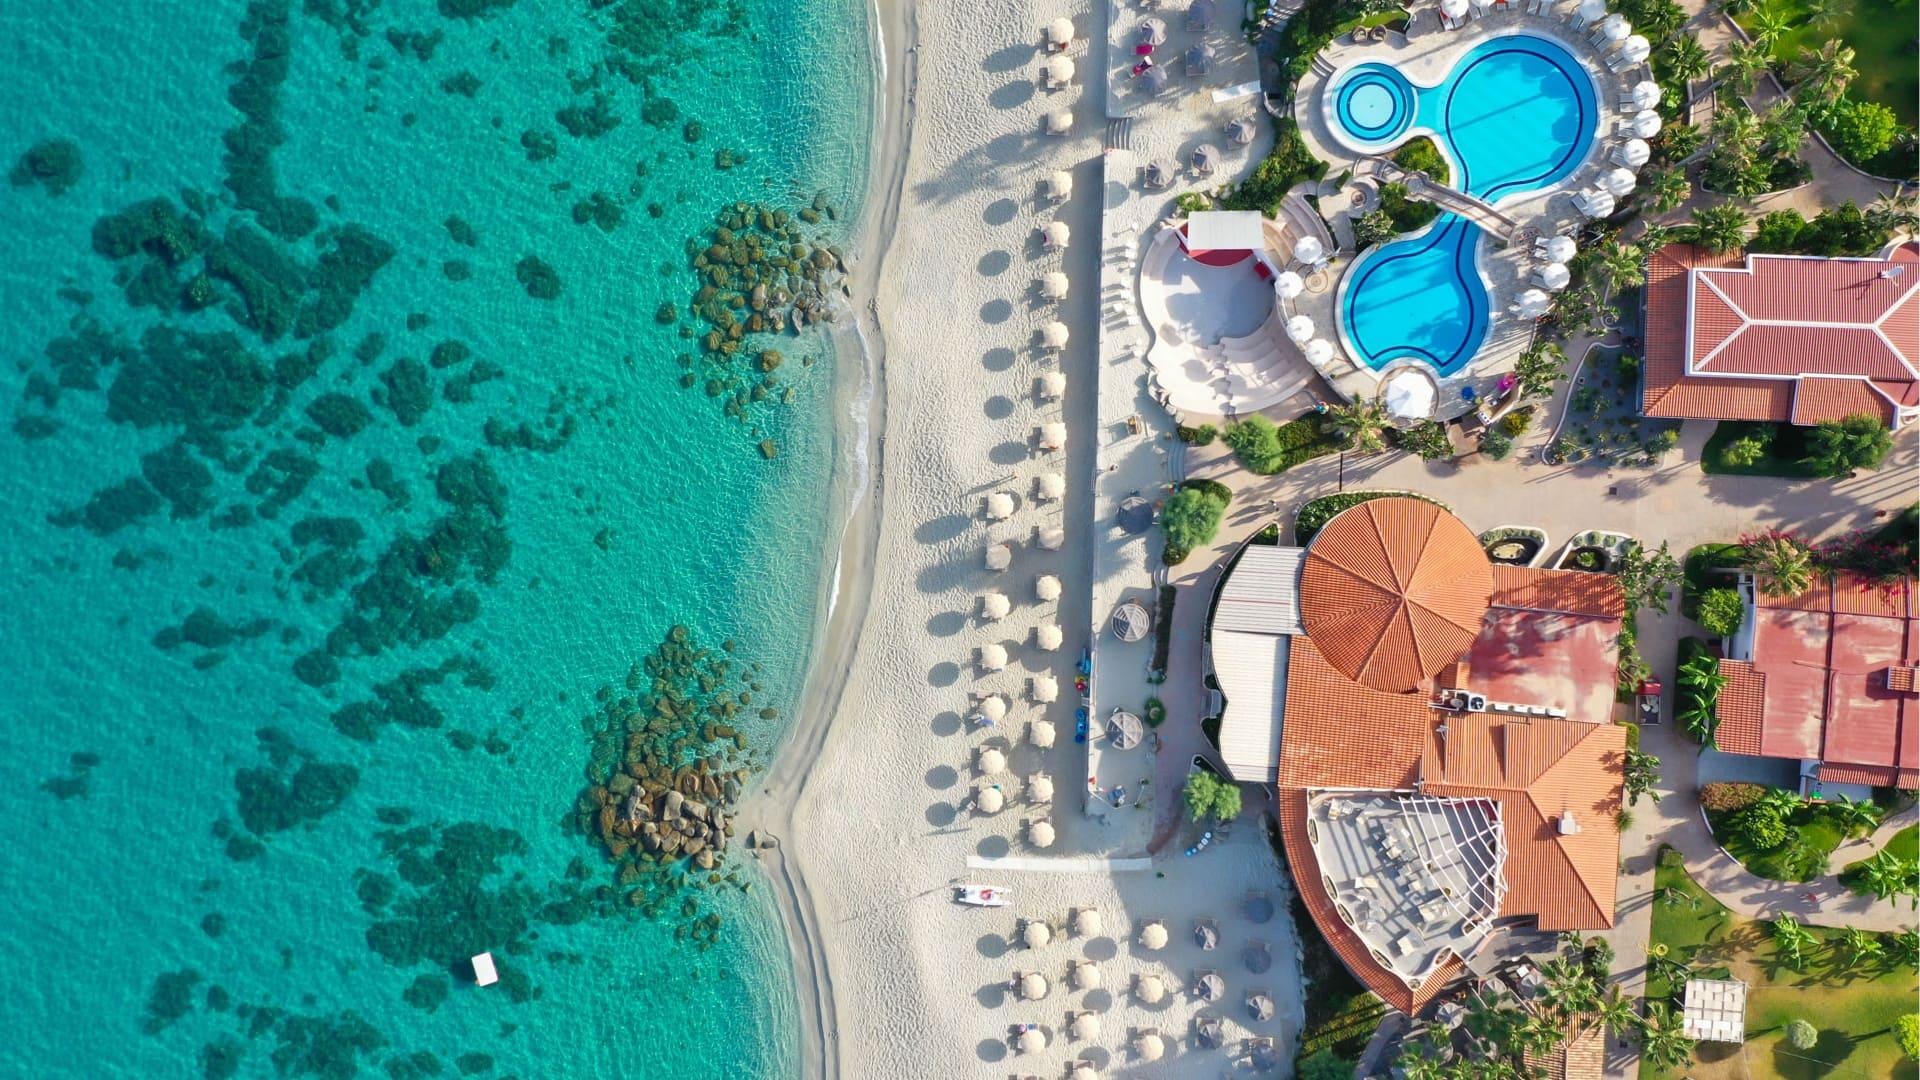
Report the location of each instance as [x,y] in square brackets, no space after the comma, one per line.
[1513,545]
[1318,512]
[1586,558]
[1812,834]
[1703,569]
[1602,424]
[1782,450]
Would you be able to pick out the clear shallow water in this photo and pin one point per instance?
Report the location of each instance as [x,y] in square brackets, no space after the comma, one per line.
[1516,114]
[204,501]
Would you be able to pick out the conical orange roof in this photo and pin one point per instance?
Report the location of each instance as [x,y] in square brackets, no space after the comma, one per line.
[1393,590]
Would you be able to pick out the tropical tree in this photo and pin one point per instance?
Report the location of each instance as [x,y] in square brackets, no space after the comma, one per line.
[1648,576]
[1686,59]
[1782,129]
[1733,9]
[1791,941]
[1364,422]
[1190,518]
[1859,947]
[1905,947]
[1720,228]
[1802,1035]
[1770,24]
[1324,1064]
[1612,1012]
[1642,772]
[1667,188]
[1674,896]
[1887,875]
[1840,448]
[1668,970]
[1623,266]
[1207,795]
[1780,801]
[1663,1042]
[1745,64]
[1858,817]
[1824,73]
[1826,13]
[1780,562]
[1895,212]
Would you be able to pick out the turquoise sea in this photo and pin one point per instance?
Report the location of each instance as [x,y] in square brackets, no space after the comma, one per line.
[351,477]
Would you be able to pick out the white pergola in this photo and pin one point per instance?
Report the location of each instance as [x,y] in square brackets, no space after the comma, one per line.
[1715,1010]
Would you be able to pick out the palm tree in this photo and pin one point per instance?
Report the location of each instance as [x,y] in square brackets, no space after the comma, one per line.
[1364,422]
[1662,1040]
[1782,129]
[1781,564]
[1622,265]
[1791,940]
[1720,228]
[1824,72]
[1745,64]
[1770,24]
[1858,947]
[1673,896]
[1887,875]
[1855,817]
[1612,1013]
[1687,60]
[1668,970]
[1667,188]
[1733,9]
[1825,13]
[1905,946]
[1780,801]
[1895,212]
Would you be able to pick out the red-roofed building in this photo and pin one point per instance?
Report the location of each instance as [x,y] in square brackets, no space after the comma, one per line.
[1783,338]
[1827,678]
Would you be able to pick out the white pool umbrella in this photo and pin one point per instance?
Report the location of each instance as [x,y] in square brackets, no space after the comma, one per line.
[1054,334]
[1040,834]
[1319,351]
[1288,285]
[1453,9]
[1060,184]
[1053,285]
[1032,1041]
[1645,94]
[993,656]
[999,556]
[1086,921]
[1615,27]
[1618,182]
[1040,789]
[1590,10]
[1149,1047]
[1153,936]
[1086,974]
[1559,248]
[1086,1026]
[995,605]
[989,800]
[1300,328]
[1409,395]
[1036,934]
[1046,587]
[1053,436]
[1053,538]
[1052,485]
[1532,304]
[1000,506]
[991,761]
[1150,988]
[1060,32]
[1059,123]
[1048,637]
[1059,71]
[1633,153]
[1309,249]
[1046,688]
[1033,986]
[1645,124]
[1552,277]
[1041,733]
[1056,234]
[1052,385]
[993,708]
[1595,204]
[1635,48]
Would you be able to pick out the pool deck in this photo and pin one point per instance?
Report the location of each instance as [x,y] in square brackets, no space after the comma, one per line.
[1425,54]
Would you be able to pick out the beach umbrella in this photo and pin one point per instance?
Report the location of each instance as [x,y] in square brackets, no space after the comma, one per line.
[1561,248]
[1048,636]
[1131,621]
[1258,957]
[1052,385]
[1409,395]
[1309,249]
[1199,60]
[1265,1059]
[1059,71]
[1053,538]
[1615,27]
[1040,733]
[1060,184]
[1040,834]
[1240,132]
[1319,351]
[1046,587]
[1149,1047]
[1633,153]
[1158,175]
[1086,975]
[1287,285]
[999,506]
[995,605]
[1258,908]
[999,556]
[1200,15]
[1033,986]
[1032,1041]
[1203,158]
[1209,1033]
[1060,122]
[1053,285]
[1135,515]
[1533,303]
[1645,124]
[1086,1026]
[989,800]
[1036,934]
[1211,987]
[1123,730]
[1040,789]
[1055,234]
[1552,277]
[1635,48]
[1153,936]
[1644,95]
[993,657]
[993,708]
[1054,335]
[1150,989]
[1086,922]
[1206,935]
[1260,1007]
[1154,79]
[1591,10]
[1595,204]
[1300,328]
[1046,688]
[1052,485]
[1153,31]
[991,761]
[1060,32]
[1453,9]
[1618,182]
[1084,1070]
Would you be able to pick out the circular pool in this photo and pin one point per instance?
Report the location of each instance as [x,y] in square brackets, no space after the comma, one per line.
[1375,104]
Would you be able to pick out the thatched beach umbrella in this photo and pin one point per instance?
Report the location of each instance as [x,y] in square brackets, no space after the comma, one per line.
[1085,1026]
[1040,834]
[1048,636]
[1060,184]
[1051,485]
[1149,1046]
[989,800]
[1053,538]
[1041,733]
[1060,32]
[1206,934]
[1054,335]
[999,506]
[1150,989]
[1153,30]
[1153,936]
[1258,957]
[1055,234]
[990,761]
[1053,435]
[1131,622]
[1032,1041]
[1154,79]
[999,556]
[995,605]
[1200,15]
[1087,922]
[1258,907]
[1046,587]
[1203,159]
[1033,986]
[1241,132]
[1123,731]
[1059,72]
[1046,688]
[1059,122]
[1052,385]
[1209,1032]
[1135,515]
[1054,285]
[1040,789]
[1199,60]
[993,656]
[1036,934]
[1086,975]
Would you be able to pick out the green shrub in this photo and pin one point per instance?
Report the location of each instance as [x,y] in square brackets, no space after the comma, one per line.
[1192,202]
[1802,1035]
[1721,612]
[1859,130]
[1762,827]
[1841,230]
[1406,214]
[1207,795]
[1496,444]
[1373,228]
[1267,449]
[1518,421]
[1155,712]
[1197,436]
[1324,1064]
[1839,448]
[1191,519]
[1287,164]
[1745,450]
[1779,233]
[1907,1030]
[1421,155]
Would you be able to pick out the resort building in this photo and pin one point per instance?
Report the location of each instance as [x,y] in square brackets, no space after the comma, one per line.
[1439,730]
[1828,678]
[1782,338]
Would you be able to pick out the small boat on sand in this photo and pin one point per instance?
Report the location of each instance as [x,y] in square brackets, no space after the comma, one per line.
[980,895]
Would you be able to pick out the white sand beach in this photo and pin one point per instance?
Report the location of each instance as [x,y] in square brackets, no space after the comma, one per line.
[876,803]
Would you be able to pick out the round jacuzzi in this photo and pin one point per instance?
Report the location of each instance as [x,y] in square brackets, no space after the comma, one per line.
[1374,104]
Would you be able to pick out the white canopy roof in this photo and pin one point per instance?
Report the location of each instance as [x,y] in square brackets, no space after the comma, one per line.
[1235,230]
[1000,506]
[1319,351]
[1309,249]
[1053,538]
[1645,94]
[1053,285]
[995,605]
[1048,636]
[989,800]
[1055,335]
[1409,395]
[1619,182]
[993,656]
[1040,834]
[1060,31]
[1046,587]
[1045,688]
[1288,285]
[1300,328]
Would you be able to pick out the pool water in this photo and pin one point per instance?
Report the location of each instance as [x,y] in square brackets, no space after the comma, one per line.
[1515,114]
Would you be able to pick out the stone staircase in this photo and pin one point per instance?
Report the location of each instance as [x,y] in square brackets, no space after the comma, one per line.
[1120,133]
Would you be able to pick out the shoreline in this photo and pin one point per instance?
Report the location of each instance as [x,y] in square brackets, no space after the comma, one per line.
[861,369]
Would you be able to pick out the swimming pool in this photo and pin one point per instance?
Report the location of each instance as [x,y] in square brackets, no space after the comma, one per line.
[1515,114]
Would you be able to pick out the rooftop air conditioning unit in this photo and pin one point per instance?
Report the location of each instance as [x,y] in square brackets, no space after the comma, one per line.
[1474,702]
[1568,826]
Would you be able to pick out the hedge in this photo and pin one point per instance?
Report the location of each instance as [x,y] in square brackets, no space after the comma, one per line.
[1317,513]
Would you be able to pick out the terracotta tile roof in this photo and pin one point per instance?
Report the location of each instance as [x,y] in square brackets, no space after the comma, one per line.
[1582,1057]
[1871,775]
[1325,710]
[1567,591]
[1728,339]
[1741,707]
[1394,589]
[1347,944]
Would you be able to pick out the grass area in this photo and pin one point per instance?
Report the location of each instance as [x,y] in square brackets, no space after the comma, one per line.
[1266,448]
[1881,33]
[1812,834]
[1318,512]
[1784,448]
[1852,1008]
[1341,1014]
[1699,568]
[1904,844]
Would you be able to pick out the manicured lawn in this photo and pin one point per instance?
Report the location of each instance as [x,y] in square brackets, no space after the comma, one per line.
[1812,834]
[1904,844]
[1786,446]
[1881,33]
[1853,1010]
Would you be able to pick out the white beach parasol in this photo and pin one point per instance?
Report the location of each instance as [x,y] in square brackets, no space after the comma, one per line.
[1033,986]
[1615,27]
[1149,1047]
[993,657]
[1032,1041]
[1619,182]
[1053,285]
[1319,351]
[1053,435]
[1040,789]
[1000,506]
[1056,234]
[995,605]
[1591,10]
[999,556]
[1048,636]
[1532,304]
[1086,921]
[1046,587]
[1645,94]
[1594,204]
[1633,153]
[1052,385]
[1059,71]
[1086,1026]
[1131,622]
[1453,9]
[1287,285]
[1084,1070]
[1086,975]
[1054,334]
[1309,249]
[1153,936]
[1060,32]
[989,800]
[1060,122]
[1053,538]
[1051,485]
[1560,248]
[990,761]
[1046,688]
[1040,834]
[1645,124]
[1153,31]
[1552,277]
[1040,733]
[1409,395]
[1300,329]
[1635,48]
[1035,934]
[993,708]
[1150,989]
[1060,184]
